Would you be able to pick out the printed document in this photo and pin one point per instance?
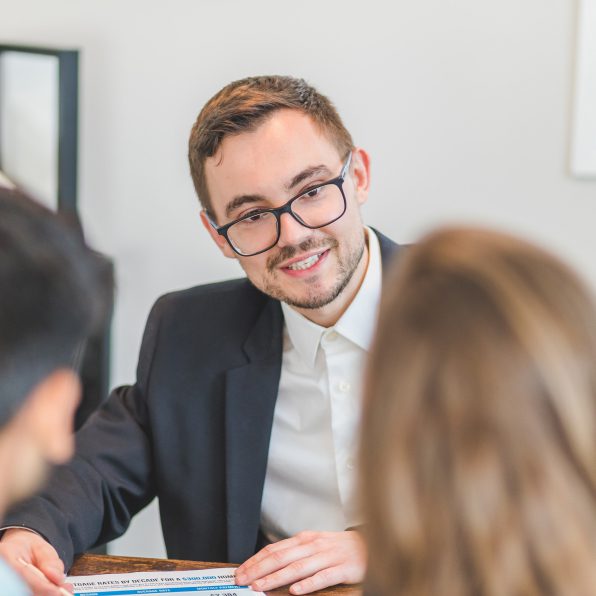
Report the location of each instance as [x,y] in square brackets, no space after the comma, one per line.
[216,582]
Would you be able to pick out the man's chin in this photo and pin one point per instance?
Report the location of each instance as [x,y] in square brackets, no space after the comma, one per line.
[316,294]
[314,299]
[311,302]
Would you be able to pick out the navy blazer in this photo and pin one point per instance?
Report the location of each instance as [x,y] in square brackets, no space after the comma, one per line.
[193,430]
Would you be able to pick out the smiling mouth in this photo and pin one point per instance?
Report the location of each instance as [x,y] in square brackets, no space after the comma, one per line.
[306,263]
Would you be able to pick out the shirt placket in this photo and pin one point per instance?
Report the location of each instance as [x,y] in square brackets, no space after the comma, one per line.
[343,370]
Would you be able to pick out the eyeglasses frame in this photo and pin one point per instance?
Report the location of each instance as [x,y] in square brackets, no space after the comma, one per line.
[287,208]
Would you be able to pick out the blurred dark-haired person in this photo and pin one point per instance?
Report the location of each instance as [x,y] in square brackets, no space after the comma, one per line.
[244,417]
[478,451]
[53,294]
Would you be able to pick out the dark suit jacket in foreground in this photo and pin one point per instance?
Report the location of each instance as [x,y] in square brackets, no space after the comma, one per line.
[194,431]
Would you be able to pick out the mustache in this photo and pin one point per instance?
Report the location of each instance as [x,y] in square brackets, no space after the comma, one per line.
[288,252]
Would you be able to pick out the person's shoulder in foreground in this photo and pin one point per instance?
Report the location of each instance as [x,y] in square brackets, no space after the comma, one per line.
[54,294]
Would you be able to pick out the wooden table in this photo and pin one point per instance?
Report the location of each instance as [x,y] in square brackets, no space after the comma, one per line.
[89,564]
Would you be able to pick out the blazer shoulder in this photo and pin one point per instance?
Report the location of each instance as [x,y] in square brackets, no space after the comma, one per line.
[214,313]
[389,248]
[213,320]
[220,297]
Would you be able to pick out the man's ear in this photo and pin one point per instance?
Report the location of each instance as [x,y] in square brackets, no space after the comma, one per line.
[221,242]
[360,169]
[50,410]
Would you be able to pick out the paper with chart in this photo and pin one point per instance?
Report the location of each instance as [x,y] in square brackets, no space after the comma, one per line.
[216,582]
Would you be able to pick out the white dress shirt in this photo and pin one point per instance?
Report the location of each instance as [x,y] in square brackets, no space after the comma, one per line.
[311,469]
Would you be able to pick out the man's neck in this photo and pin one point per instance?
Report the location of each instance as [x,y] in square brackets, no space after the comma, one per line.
[328,315]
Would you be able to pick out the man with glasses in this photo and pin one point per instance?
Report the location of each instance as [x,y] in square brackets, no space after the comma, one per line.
[244,416]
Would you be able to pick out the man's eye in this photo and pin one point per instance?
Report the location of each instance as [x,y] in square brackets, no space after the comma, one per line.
[253,217]
[311,194]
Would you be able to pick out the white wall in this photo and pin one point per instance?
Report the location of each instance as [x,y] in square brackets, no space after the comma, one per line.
[463,104]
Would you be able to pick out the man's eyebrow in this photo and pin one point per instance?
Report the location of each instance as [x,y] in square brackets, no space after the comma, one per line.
[240,200]
[306,174]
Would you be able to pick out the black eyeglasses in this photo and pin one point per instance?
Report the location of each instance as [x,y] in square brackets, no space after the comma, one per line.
[315,207]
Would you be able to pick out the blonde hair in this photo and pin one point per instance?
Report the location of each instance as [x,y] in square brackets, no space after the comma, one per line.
[478,452]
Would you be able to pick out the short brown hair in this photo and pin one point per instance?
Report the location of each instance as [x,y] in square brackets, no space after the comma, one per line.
[242,105]
[478,452]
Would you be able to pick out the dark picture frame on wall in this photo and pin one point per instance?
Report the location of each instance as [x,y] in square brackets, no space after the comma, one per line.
[39,109]
[39,113]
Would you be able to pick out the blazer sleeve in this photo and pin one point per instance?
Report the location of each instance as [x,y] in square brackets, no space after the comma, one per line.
[92,499]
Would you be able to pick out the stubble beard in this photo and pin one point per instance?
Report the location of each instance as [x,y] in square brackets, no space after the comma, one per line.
[346,269]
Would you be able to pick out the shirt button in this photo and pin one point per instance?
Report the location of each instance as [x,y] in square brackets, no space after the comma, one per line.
[344,386]
[350,464]
[331,336]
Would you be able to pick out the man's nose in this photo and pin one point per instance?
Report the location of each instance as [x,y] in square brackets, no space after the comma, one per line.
[291,231]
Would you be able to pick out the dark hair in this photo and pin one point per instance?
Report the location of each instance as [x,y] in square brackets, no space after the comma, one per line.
[242,105]
[54,292]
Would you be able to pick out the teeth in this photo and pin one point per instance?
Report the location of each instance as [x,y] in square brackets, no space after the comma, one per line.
[301,265]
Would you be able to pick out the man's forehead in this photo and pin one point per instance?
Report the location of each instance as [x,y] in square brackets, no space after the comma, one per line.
[285,133]
[269,158]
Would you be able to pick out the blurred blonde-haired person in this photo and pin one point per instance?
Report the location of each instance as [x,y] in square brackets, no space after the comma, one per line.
[478,451]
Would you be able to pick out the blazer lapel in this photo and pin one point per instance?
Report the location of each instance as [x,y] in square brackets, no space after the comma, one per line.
[389,250]
[251,392]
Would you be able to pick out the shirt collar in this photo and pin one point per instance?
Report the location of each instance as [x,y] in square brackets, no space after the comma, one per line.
[357,324]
